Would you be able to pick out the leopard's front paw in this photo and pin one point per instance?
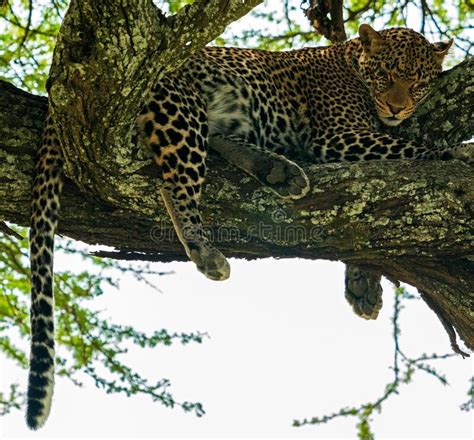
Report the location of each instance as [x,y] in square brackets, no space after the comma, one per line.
[209,261]
[363,292]
[464,152]
[287,179]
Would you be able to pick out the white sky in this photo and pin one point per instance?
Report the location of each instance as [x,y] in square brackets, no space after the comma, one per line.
[284,345]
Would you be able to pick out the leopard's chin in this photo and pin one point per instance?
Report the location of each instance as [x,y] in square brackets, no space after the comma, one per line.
[391,121]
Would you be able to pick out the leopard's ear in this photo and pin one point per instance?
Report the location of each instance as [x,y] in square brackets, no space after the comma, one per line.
[372,41]
[441,49]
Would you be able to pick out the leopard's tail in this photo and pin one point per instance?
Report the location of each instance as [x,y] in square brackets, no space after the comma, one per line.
[44,218]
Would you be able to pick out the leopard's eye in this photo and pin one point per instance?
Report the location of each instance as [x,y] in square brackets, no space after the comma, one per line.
[384,79]
[419,86]
[383,75]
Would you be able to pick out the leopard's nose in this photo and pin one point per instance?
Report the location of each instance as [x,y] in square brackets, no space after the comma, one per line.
[395,109]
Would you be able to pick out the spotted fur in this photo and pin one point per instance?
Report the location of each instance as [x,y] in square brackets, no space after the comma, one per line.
[319,104]
[44,218]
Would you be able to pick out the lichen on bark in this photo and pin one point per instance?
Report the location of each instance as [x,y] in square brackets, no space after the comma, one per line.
[411,221]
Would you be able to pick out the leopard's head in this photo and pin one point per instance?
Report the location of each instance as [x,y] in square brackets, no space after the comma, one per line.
[399,66]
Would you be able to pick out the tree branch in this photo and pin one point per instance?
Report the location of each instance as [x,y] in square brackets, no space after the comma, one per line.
[326,16]
[411,221]
[196,20]
[107,57]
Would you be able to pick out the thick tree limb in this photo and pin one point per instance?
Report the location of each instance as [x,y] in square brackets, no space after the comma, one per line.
[411,221]
[195,21]
[108,55]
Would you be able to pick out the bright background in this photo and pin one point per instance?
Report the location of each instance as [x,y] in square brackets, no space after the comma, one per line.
[283,345]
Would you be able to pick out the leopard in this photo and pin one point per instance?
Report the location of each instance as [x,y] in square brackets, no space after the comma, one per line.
[263,111]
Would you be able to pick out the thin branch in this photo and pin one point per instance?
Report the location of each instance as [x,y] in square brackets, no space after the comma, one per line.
[9,231]
[15,399]
[286,10]
[27,28]
[190,20]
[354,14]
[366,410]
[440,313]
[327,18]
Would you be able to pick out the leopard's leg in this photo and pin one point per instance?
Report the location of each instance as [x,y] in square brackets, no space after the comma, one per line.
[177,136]
[463,152]
[363,291]
[284,177]
[187,222]
[361,145]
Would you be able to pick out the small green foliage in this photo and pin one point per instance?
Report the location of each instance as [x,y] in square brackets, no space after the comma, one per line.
[13,400]
[175,5]
[29,29]
[273,26]
[403,368]
[11,351]
[363,428]
[281,25]
[91,345]
[469,404]
[27,40]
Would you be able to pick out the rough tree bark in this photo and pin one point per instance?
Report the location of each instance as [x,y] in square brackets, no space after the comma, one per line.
[412,221]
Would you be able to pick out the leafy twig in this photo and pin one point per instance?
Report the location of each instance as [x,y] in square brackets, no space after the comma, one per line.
[403,367]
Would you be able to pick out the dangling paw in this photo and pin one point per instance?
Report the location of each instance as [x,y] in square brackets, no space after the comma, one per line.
[288,180]
[363,292]
[209,261]
[283,177]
